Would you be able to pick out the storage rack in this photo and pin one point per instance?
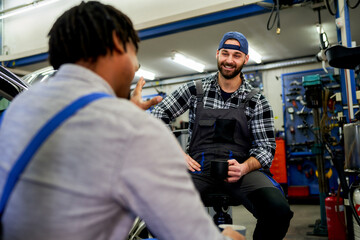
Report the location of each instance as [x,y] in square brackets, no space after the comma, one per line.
[300,137]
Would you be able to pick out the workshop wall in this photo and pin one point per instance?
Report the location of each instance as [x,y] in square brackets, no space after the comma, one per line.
[26,34]
[273,89]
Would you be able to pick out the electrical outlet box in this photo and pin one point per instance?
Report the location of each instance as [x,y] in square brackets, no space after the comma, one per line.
[338,96]
[340,115]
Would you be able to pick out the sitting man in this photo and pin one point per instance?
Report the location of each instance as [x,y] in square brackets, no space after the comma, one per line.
[230,121]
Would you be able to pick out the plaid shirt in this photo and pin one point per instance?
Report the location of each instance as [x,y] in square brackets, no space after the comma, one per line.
[258,112]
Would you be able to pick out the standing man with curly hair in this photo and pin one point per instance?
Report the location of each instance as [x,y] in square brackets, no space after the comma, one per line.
[101,167]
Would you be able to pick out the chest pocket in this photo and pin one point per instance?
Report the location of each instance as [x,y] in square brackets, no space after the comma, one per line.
[207,130]
[224,130]
[217,130]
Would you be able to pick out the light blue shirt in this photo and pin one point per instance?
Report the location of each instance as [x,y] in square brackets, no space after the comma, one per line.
[103,167]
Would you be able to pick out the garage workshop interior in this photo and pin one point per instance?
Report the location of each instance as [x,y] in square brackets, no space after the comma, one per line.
[304,58]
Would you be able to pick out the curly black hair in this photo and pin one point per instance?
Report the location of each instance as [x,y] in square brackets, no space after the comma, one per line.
[84,32]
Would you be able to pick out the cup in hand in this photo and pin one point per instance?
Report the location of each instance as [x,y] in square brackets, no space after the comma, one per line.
[239,228]
[219,169]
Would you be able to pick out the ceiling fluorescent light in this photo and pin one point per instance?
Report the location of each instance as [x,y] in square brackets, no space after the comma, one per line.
[187,62]
[145,74]
[319,28]
[254,55]
[24,8]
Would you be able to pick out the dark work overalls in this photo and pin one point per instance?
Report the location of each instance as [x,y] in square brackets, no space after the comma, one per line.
[223,134]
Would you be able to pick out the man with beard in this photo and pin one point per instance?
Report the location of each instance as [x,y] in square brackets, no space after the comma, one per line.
[230,121]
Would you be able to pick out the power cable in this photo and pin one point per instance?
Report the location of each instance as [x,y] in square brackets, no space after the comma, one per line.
[329,7]
[276,17]
[352,7]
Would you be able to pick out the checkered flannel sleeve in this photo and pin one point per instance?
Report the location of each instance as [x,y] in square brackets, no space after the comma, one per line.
[175,104]
[262,128]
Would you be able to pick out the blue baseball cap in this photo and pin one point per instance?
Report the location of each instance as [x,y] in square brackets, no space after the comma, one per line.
[237,36]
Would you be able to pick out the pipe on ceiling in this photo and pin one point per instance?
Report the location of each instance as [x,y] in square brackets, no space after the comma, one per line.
[246,69]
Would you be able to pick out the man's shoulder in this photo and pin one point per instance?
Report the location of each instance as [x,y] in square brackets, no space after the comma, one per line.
[207,82]
[256,93]
[211,79]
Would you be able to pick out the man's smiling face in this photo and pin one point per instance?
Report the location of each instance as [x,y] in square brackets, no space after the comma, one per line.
[230,62]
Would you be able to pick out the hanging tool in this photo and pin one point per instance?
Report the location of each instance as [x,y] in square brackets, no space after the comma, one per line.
[291,112]
[295,83]
[293,94]
[292,131]
[293,102]
[296,89]
[301,100]
[304,129]
[302,113]
[333,87]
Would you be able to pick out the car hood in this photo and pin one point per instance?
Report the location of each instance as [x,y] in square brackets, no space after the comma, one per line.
[10,84]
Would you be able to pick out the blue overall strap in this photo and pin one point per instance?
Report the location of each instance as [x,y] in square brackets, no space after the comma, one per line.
[1,117]
[38,139]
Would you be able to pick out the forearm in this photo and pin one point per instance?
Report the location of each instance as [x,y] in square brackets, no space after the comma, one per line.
[264,155]
[173,105]
[237,170]
[251,164]
[160,113]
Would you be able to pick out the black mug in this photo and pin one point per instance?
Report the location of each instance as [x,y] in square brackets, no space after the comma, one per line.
[219,169]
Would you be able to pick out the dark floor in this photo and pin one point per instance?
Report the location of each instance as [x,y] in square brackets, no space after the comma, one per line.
[304,215]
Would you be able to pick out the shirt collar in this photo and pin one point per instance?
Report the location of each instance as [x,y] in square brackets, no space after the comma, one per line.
[244,87]
[79,73]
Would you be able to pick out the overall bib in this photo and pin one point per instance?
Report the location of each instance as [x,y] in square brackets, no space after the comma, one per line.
[219,134]
[223,134]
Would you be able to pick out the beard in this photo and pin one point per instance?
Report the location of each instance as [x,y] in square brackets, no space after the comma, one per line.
[229,74]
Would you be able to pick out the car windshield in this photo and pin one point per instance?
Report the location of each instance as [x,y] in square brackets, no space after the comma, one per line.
[41,75]
[11,85]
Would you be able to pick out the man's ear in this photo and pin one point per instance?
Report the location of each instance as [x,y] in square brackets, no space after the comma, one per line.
[118,45]
[246,59]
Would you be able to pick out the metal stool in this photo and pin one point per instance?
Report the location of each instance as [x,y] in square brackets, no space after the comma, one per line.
[221,203]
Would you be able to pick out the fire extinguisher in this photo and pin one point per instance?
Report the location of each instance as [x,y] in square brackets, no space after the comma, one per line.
[356,202]
[335,217]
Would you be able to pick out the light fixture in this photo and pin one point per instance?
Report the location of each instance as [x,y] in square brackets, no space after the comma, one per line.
[145,74]
[254,55]
[324,42]
[24,8]
[319,28]
[187,62]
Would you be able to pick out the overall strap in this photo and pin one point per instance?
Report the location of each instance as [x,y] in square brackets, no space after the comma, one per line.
[37,141]
[199,94]
[199,90]
[248,97]
[198,110]
[1,117]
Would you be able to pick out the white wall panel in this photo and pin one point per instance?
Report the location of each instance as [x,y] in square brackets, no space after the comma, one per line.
[145,13]
[25,34]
